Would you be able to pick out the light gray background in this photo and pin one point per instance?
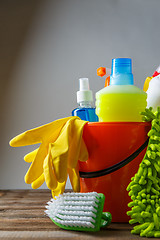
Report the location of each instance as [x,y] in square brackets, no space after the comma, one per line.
[46,46]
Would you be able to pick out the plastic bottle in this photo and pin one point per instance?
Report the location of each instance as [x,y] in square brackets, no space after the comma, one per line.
[121,101]
[85,111]
[153,93]
[148,79]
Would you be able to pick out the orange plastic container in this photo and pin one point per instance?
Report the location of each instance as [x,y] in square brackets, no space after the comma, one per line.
[108,145]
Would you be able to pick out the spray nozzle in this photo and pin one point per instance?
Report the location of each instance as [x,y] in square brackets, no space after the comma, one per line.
[84,94]
[83,84]
[102,71]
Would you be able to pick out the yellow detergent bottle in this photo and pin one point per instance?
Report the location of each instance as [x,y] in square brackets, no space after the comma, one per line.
[121,101]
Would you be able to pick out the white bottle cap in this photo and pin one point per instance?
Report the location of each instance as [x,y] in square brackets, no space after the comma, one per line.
[84,94]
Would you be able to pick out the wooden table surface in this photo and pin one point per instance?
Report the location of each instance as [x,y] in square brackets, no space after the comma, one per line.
[22,217]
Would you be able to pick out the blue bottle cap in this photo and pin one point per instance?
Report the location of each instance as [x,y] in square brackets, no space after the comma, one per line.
[121,72]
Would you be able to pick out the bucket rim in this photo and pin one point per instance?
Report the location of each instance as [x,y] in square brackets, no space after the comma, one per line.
[98,124]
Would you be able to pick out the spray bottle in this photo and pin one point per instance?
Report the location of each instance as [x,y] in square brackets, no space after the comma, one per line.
[85,111]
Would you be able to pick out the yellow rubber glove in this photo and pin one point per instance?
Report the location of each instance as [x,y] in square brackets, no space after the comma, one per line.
[38,182]
[59,190]
[44,134]
[74,178]
[49,174]
[57,157]
[31,156]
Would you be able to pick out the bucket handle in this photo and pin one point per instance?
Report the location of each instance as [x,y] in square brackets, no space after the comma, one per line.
[115,167]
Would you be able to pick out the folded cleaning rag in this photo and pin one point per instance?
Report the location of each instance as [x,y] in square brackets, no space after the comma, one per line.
[57,157]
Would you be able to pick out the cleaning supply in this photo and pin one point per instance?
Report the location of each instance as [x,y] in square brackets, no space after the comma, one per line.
[102,71]
[144,188]
[153,93]
[148,79]
[121,101]
[85,100]
[79,211]
[57,157]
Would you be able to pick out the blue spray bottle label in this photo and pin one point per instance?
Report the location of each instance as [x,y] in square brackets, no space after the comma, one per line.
[85,99]
[86,114]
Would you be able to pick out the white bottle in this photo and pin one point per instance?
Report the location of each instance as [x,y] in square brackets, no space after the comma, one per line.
[153,93]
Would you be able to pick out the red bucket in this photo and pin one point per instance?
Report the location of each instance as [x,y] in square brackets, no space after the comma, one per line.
[115,152]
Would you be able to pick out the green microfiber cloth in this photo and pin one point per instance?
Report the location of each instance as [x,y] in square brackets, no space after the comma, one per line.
[144,188]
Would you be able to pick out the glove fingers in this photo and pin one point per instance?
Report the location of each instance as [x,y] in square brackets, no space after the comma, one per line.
[49,174]
[36,135]
[74,178]
[59,190]
[83,154]
[36,168]
[38,182]
[31,156]
[26,138]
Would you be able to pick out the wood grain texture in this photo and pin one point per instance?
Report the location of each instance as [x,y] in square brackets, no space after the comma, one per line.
[22,217]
